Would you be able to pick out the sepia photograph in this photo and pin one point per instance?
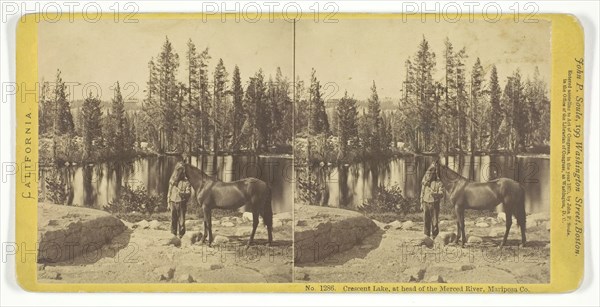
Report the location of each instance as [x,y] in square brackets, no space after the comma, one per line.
[266,153]
[165,151]
[422,152]
[367,150]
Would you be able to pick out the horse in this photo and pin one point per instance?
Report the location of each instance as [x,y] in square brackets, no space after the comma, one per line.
[212,193]
[465,194]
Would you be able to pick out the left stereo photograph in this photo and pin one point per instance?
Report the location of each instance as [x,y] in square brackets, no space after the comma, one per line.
[165,151]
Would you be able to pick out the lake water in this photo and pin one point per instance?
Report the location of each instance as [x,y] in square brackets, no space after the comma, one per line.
[349,186]
[97,185]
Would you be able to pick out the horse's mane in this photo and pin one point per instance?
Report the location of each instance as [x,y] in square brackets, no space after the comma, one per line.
[446,179]
[192,171]
[448,169]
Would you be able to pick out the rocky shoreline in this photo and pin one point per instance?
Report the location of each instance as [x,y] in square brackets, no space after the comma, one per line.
[332,245]
[400,252]
[146,252]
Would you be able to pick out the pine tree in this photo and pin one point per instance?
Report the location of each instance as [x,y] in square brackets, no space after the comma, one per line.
[152,112]
[133,136]
[108,134]
[374,122]
[91,125]
[476,112]
[79,122]
[63,119]
[273,110]
[318,121]
[219,101]
[387,135]
[256,127]
[192,119]
[46,109]
[205,98]
[238,107]
[193,87]
[538,110]
[301,113]
[461,99]
[408,112]
[167,64]
[450,110]
[127,143]
[117,118]
[364,133]
[182,132]
[347,121]
[515,113]
[424,65]
[495,115]
[282,111]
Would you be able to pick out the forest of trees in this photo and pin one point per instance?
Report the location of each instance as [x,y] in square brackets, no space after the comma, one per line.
[90,135]
[447,108]
[206,112]
[466,111]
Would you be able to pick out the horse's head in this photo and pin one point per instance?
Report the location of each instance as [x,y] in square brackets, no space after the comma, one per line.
[178,173]
[434,170]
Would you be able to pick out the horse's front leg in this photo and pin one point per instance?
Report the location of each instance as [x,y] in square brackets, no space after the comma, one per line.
[208,224]
[460,224]
[462,227]
[204,232]
[205,226]
[457,225]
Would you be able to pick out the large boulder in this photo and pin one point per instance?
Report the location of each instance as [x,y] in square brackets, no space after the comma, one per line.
[323,231]
[65,232]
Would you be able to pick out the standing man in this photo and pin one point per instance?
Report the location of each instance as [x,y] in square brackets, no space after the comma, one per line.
[431,194]
[179,194]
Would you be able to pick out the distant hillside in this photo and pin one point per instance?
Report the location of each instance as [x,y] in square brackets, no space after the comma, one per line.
[387,103]
[130,105]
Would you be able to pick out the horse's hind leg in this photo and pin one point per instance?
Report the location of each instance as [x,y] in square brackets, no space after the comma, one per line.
[521,221]
[268,217]
[457,226]
[270,231]
[508,224]
[523,236]
[254,226]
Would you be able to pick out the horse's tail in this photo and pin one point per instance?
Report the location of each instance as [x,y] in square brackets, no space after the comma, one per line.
[519,209]
[268,209]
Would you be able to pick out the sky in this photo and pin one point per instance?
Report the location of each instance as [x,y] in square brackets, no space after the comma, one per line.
[351,54]
[106,52]
[348,55]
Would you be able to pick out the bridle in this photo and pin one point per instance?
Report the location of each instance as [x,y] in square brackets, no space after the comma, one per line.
[181,174]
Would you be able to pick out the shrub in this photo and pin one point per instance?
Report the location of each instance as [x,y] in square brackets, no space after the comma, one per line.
[308,191]
[390,200]
[136,200]
[55,188]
